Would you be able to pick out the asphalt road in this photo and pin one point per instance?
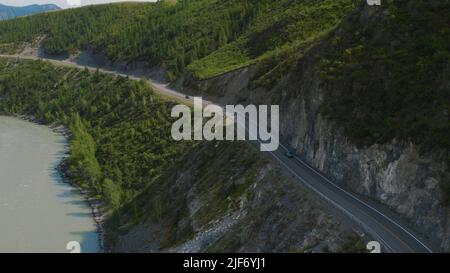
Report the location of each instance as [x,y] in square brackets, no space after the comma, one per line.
[385,227]
[381,226]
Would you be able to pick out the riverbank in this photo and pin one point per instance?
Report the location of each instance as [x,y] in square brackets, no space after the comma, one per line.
[96,205]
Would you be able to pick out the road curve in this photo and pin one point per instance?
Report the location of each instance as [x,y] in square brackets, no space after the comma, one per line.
[382,225]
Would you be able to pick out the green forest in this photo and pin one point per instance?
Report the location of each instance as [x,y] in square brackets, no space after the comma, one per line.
[390,78]
[384,77]
[120,130]
[164,33]
[177,34]
[380,75]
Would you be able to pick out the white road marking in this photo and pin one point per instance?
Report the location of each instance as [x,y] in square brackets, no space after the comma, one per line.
[360,201]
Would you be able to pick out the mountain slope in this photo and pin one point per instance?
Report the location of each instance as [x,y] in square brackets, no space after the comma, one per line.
[176,35]
[225,204]
[364,91]
[367,104]
[10,12]
[158,194]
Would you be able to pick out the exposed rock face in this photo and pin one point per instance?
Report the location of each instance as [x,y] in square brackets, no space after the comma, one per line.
[396,174]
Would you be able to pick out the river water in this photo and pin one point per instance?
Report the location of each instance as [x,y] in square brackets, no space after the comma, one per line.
[38,212]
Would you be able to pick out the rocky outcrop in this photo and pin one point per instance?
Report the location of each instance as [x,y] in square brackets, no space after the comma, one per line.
[397,174]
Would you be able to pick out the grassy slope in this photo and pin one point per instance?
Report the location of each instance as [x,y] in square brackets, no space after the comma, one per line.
[288,27]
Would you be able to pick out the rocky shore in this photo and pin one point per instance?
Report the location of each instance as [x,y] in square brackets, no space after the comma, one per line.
[95,204]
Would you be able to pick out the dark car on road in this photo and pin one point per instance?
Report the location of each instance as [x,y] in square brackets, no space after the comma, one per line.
[289,154]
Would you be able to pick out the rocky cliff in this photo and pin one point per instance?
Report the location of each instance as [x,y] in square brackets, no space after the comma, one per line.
[399,174]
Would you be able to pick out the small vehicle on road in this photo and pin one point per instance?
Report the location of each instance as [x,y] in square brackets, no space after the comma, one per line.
[289,154]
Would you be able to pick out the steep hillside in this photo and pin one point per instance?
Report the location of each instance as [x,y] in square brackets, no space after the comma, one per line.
[385,71]
[364,91]
[120,130]
[9,12]
[226,197]
[158,194]
[368,104]
[175,35]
